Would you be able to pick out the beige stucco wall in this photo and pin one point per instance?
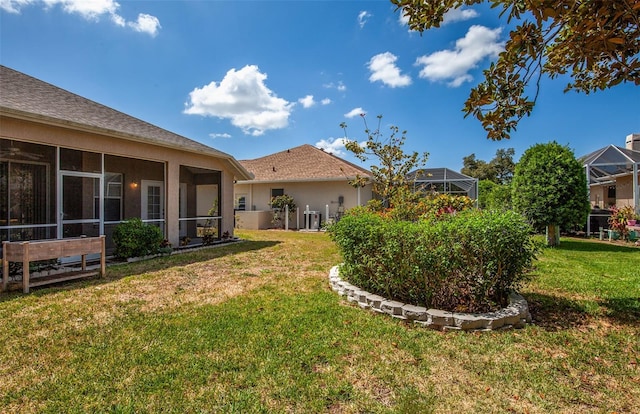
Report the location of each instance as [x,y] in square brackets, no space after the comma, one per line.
[624,193]
[38,133]
[254,220]
[317,195]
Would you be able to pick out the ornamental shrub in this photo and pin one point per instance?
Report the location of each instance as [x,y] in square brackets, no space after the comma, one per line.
[134,238]
[467,262]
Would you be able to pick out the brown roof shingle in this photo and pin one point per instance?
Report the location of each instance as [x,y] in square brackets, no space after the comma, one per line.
[302,163]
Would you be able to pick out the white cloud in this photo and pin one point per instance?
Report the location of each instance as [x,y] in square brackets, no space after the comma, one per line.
[363,17]
[453,15]
[146,24]
[219,135]
[334,146]
[14,6]
[457,15]
[355,112]
[307,101]
[90,10]
[383,68]
[325,101]
[244,99]
[339,86]
[454,65]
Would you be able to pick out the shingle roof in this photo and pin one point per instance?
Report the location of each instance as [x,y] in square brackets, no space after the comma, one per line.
[302,163]
[24,96]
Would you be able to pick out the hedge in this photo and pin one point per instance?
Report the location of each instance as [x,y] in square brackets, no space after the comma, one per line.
[468,261]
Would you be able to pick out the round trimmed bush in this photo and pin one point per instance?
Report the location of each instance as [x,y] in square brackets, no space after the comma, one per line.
[134,238]
[467,262]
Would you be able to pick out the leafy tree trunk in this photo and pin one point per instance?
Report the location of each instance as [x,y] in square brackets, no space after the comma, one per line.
[553,235]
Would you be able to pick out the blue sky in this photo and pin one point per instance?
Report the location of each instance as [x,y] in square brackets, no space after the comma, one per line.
[251,78]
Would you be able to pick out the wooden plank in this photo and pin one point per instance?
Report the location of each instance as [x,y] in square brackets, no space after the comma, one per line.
[61,277]
[5,266]
[13,251]
[28,251]
[25,268]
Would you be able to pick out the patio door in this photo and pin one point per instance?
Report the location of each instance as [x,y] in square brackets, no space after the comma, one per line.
[152,202]
[80,204]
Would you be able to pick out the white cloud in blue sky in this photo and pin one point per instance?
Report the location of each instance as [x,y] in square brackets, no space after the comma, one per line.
[334,146]
[453,65]
[307,101]
[453,15]
[384,69]
[363,17]
[355,112]
[90,10]
[220,135]
[243,98]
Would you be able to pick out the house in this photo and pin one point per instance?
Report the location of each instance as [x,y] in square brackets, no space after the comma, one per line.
[316,179]
[70,167]
[614,179]
[445,181]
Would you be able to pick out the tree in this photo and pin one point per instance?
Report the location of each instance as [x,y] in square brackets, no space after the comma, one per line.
[390,180]
[596,42]
[479,169]
[504,166]
[492,196]
[499,170]
[550,189]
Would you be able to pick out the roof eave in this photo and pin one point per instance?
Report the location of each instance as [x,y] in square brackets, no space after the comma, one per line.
[240,171]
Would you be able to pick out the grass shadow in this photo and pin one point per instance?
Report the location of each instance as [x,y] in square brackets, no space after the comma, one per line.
[555,313]
[587,245]
[119,270]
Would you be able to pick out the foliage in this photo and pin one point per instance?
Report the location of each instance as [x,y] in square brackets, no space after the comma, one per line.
[390,180]
[494,196]
[134,238]
[595,42]
[461,262]
[619,220]
[279,205]
[550,188]
[416,206]
[499,170]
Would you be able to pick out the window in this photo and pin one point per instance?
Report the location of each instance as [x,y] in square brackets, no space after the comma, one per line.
[241,202]
[276,192]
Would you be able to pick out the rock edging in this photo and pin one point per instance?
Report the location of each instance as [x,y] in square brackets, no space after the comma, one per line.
[515,315]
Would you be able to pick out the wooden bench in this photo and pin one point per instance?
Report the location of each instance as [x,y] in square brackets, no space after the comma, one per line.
[30,251]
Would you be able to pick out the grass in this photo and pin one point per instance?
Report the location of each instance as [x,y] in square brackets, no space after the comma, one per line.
[253,327]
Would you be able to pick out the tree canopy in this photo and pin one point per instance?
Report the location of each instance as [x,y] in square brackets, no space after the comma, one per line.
[499,170]
[595,42]
[393,164]
[550,189]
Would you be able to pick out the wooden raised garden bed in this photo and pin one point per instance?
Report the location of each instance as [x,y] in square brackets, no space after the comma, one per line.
[31,251]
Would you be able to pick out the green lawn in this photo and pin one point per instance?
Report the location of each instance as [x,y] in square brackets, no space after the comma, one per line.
[254,327]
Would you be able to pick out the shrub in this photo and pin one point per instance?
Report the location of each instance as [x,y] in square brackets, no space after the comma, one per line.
[468,261]
[134,238]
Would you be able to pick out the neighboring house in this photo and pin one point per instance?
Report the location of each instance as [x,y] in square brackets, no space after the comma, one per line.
[314,178]
[70,167]
[445,181]
[614,179]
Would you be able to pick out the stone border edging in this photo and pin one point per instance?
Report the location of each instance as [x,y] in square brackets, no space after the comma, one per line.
[516,315]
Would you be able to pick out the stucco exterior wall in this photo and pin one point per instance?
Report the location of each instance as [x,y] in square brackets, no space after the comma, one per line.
[317,195]
[624,191]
